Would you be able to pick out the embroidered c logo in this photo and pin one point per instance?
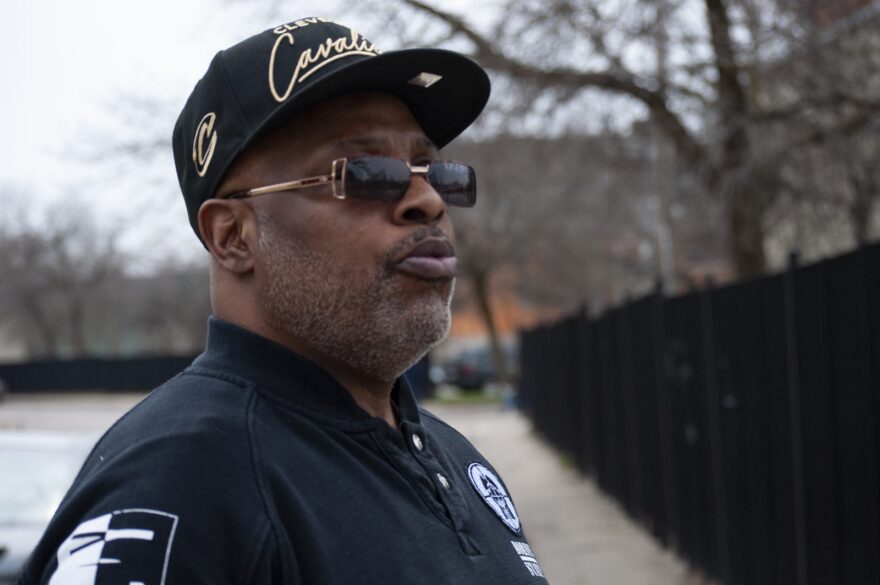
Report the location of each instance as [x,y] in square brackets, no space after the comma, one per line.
[204,143]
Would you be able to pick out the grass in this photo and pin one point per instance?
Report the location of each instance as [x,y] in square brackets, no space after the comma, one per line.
[451,395]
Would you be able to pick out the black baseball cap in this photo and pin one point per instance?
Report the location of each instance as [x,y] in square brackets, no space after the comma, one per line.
[252,87]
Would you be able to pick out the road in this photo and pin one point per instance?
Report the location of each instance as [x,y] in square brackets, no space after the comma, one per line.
[579,536]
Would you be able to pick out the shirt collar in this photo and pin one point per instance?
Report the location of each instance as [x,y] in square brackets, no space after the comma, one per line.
[289,376]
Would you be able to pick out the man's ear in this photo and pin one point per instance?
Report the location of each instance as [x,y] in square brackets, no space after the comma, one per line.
[229,230]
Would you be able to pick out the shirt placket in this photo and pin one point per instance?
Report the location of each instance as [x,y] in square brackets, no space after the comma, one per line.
[445,490]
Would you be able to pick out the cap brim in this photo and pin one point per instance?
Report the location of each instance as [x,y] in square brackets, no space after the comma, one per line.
[443,110]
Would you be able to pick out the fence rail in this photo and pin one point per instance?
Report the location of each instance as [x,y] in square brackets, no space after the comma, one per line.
[136,374]
[132,374]
[739,425]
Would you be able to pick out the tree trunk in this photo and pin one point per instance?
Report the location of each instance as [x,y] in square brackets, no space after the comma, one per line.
[746,232]
[47,334]
[860,229]
[743,197]
[861,208]
[77,324]
[480,280]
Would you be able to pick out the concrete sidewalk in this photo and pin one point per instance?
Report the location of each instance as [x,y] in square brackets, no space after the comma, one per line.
[579,535]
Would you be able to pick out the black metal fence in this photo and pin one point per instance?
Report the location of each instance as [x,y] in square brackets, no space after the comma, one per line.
[134,374]
[740,425]
[108,375]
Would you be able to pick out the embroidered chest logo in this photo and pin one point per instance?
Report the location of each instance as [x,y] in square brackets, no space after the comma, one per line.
[489,487]
[204,143]
[127,546]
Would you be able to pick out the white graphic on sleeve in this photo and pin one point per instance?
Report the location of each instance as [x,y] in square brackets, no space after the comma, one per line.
[129,547]
[528,558]
[493,493]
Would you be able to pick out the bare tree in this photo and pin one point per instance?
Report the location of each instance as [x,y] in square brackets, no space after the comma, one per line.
[65,290]
[53,266]
[706,101]
[520,195]
[170,308]
[566,220]
[834,190]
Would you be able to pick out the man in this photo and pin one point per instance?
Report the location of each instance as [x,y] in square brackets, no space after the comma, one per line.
[292,451]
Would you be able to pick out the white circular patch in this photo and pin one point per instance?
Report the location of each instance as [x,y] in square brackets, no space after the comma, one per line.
[493,493]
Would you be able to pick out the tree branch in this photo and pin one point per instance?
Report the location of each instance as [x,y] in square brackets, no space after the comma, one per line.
[690,150]
[803,107]
[816,135]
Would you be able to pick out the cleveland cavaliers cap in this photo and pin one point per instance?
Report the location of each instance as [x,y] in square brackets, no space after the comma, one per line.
[251,87]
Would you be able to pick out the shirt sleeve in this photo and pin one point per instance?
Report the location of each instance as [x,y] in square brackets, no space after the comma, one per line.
[168,509]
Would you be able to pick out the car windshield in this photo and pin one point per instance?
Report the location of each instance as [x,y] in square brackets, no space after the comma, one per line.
[34,481]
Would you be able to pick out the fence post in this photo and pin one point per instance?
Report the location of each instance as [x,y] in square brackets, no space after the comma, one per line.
[872,521]
[795,414]
[584,447]
[713,419]
[667,456]
[631,444]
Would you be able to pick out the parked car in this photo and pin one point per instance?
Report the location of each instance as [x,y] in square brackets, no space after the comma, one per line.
[37,469]
[472,369]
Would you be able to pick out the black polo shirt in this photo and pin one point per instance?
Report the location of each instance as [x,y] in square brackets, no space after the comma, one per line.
[254,466]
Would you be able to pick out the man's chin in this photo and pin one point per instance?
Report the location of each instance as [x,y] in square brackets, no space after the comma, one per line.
[423,331]
[429,313]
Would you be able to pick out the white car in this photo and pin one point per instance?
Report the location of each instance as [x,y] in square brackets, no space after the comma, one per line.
[37,469]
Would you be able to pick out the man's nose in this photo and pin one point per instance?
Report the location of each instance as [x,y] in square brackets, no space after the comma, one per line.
[420,204]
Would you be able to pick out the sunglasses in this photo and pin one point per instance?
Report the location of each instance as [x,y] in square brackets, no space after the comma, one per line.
[385,179]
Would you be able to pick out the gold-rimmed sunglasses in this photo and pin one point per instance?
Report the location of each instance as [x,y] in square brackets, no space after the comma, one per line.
[385,179]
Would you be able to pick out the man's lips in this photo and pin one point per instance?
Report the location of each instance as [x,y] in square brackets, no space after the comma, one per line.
[430,260]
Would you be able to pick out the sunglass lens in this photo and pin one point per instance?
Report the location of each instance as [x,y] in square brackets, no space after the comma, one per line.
[455,182]
[376,178]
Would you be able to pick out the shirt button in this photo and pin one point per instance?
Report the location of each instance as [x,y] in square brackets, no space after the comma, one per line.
[417,441]
[443,481]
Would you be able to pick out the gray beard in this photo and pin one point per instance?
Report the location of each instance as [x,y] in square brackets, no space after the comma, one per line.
[362,319]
